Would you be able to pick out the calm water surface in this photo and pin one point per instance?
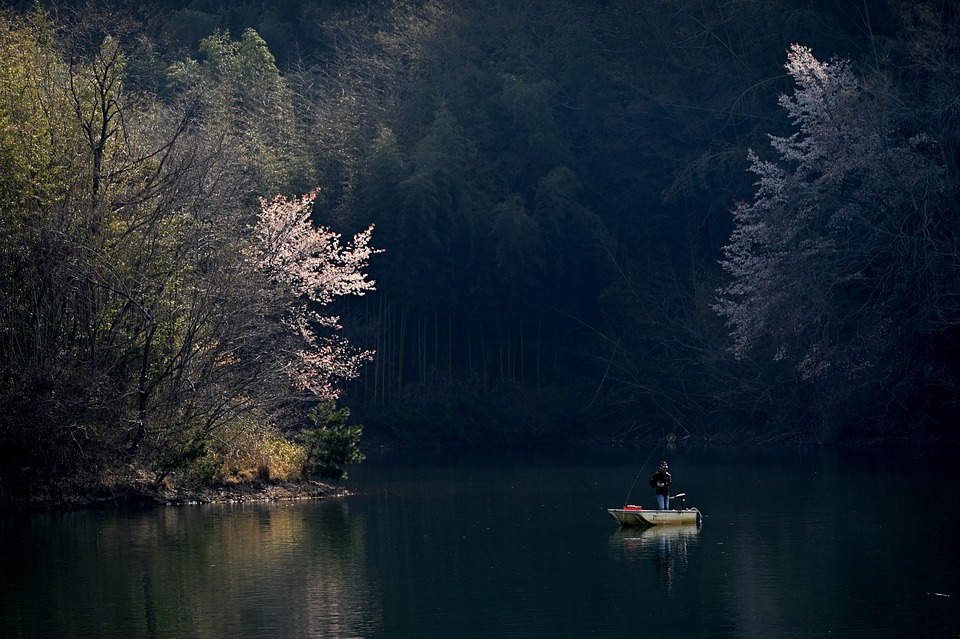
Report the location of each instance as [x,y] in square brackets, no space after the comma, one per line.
[814,544]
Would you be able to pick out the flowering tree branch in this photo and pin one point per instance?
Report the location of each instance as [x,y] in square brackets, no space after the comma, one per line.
[310,268]
[824,259]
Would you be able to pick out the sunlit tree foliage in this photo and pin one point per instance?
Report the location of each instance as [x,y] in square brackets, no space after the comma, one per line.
[144,326]
[311,270]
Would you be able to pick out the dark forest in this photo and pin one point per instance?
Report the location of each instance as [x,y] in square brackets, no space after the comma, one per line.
[592,221]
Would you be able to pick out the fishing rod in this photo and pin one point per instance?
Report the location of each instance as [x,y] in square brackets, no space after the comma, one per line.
[627,499]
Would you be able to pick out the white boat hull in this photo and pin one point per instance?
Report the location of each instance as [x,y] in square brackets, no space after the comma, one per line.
[645,518]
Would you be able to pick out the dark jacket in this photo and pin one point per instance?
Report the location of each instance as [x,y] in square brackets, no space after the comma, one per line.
[662,477]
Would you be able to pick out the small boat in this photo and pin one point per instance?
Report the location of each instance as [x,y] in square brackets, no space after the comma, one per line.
[636,516]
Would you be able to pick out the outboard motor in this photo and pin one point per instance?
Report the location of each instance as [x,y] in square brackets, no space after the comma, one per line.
[681,497]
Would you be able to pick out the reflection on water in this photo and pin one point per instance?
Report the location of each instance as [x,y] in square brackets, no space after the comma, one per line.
[664,548]
[292,570]
[500,546]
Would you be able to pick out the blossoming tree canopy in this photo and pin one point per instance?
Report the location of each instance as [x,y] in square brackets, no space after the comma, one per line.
[311,268]
[828,260]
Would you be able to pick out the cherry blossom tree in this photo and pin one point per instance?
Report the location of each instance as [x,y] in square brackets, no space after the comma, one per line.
[843,265]
[310,268]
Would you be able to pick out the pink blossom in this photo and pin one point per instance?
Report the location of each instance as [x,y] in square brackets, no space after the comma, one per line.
[815,256]
[311,269]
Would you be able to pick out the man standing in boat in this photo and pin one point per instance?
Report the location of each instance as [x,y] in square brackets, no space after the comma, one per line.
[661,481]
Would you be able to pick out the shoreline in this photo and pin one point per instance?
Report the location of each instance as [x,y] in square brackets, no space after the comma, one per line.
[145,496]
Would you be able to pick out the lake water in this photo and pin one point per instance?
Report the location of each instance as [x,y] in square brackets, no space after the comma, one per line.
[518,544]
